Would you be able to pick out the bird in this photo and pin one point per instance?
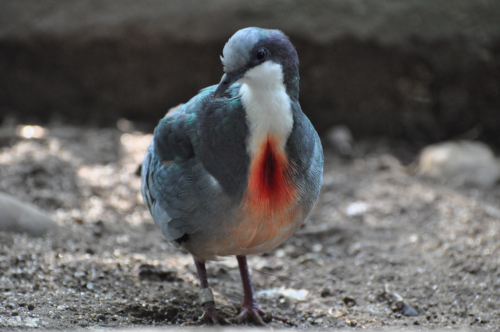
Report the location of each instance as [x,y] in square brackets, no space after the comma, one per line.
[237,169]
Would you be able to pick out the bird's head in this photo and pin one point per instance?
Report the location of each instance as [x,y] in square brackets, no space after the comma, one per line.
[259,57]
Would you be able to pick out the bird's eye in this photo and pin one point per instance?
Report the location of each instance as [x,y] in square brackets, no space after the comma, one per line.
[261,55]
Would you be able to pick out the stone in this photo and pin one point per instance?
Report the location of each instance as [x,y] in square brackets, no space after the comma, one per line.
[462,162]
[294,294]
[21,217]
[19,322]
[340,137]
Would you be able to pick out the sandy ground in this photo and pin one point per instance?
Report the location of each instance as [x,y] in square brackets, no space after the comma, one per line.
[378,229]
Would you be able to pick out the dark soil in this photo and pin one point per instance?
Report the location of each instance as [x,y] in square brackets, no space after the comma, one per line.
[378,230]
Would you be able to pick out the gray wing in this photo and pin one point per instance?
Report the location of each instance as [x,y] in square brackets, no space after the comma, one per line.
[175,185]
[167,174]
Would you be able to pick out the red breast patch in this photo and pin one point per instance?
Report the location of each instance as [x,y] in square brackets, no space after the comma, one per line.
[269,187]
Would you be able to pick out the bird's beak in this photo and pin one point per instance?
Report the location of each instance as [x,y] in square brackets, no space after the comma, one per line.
[227,80]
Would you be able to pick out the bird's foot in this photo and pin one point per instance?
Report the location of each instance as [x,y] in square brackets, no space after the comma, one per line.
[253,312]
[209,317]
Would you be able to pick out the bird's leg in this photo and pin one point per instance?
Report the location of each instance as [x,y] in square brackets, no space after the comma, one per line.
[210,315]
[249,307]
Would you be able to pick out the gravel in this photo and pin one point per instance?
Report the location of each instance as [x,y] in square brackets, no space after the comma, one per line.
[381,240]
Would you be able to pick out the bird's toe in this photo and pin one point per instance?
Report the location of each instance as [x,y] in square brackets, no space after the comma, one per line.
[249,314]
[210,317]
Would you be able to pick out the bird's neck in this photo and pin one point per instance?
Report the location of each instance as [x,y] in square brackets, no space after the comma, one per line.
[267,106]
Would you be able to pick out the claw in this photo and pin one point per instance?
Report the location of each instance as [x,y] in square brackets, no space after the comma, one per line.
[209,317]
[253,313]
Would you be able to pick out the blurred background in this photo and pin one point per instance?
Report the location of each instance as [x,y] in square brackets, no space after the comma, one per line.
[422,70]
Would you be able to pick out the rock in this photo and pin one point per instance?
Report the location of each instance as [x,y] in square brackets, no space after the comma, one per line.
[21,217]
[460,162]
[340,137]
[397,68]
[294,294]
[356,209]
[19,322]
[349,301]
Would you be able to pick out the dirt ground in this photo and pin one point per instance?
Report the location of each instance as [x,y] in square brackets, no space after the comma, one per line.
[377,229]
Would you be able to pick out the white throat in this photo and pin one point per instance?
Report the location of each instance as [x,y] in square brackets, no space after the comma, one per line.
[267,105]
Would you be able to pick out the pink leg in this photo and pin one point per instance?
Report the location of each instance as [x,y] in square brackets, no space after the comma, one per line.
[249,307]
[210,315]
